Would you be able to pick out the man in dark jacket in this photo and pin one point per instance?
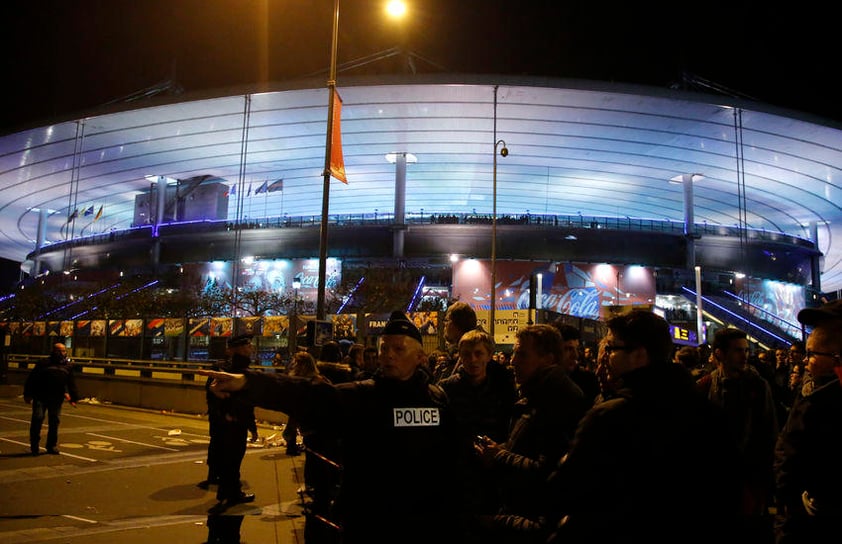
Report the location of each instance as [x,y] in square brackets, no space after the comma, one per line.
[746,399]
[47,387]
[653,463]
[545,419]
[401,449]
[807,455]
[459,319]
[586,379]
[229,420]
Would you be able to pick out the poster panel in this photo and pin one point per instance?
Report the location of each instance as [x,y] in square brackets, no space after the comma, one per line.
[199,326]
[173,326]
[221,326]
[275,325]
[155,327]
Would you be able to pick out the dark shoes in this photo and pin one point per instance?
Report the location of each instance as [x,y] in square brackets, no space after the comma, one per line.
[241,498]
[36,452]
[205,484]
[225,504]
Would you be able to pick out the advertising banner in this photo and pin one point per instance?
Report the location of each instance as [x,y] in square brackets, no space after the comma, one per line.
[275,325]
[575,289]
[199,326]
[155,327]
[250,325]
[221,326]
[53,328]
[66,328]
[173,326]
[125,327]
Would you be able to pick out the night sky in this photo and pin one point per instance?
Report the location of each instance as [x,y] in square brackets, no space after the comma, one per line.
[64,57]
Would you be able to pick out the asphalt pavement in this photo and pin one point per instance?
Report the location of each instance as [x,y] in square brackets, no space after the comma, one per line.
[129,476]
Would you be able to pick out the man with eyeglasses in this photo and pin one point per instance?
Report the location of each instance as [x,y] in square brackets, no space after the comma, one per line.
[808,451]
[655,461]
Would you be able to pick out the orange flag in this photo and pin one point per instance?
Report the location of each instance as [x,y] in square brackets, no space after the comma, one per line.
[337,161]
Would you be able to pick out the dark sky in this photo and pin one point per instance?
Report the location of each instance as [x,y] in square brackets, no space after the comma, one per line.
[63,57]
[9,275]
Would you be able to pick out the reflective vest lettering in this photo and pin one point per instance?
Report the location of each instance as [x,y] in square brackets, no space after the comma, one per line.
[416,417]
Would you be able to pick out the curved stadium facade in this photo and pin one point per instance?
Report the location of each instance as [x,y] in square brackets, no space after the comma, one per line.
[596,175]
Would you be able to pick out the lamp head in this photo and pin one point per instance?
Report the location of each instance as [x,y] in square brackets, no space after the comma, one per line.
[504,151]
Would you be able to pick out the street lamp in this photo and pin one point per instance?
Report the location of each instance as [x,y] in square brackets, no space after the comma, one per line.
[504,152]
[395,8]
[293,323]
[331,86]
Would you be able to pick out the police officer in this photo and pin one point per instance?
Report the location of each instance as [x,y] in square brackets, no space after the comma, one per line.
[230,420]
[401,450]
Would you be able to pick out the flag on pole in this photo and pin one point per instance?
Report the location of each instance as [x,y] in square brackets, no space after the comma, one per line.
[98,214]
[262,188]
[89,211]
[249,191]
[73,215]
[275,186]
[337,161]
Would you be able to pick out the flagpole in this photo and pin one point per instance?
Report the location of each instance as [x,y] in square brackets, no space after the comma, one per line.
[331,86]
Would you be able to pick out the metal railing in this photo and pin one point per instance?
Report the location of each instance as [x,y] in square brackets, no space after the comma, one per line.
[127,368]
[415,218]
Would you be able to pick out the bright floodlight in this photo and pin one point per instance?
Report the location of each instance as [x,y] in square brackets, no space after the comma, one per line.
[396,8]
[393,158]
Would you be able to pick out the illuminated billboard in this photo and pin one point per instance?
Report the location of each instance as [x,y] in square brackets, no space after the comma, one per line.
[577,289]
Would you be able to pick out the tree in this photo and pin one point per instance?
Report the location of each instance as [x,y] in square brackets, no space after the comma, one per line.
[260,302]
[379,289]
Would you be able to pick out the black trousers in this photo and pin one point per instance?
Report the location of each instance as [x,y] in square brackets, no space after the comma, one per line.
[52,412]
[228,457]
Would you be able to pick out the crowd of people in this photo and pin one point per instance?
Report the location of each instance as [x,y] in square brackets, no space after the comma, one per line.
[634,439]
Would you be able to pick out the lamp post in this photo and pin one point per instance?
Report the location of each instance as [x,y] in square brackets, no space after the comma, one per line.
[331,86]
[504,152]
[396,9]
[293,323]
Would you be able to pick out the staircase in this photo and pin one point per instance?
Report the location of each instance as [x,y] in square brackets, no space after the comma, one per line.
[770,330]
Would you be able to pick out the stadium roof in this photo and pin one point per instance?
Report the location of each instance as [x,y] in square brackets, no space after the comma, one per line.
[575,147]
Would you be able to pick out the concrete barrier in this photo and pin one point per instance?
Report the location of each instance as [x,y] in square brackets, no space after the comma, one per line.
[167,394]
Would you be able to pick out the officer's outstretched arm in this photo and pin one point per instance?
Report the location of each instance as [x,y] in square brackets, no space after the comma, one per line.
[224,382]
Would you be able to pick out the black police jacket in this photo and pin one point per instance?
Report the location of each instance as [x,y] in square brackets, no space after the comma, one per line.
[402,451]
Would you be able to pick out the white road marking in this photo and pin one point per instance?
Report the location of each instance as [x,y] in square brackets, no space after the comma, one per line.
[79,519]
[26,445]
[131,441]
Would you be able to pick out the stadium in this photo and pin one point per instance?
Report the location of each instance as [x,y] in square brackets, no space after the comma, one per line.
[570,196]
